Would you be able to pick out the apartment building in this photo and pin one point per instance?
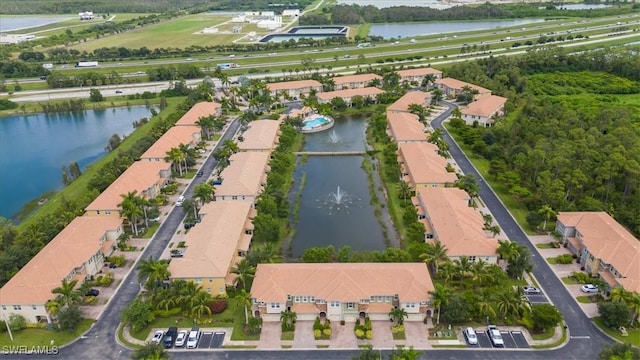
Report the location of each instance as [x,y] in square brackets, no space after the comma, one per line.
[244,178]
[261,135]
[422,166]
[174,137]
[341,291]
[484,110]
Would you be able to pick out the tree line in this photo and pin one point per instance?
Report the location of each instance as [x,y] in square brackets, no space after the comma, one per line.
[357,14]
[566,145]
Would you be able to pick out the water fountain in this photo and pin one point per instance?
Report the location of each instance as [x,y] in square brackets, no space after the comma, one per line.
[333,138]
[337,196]
[338,201]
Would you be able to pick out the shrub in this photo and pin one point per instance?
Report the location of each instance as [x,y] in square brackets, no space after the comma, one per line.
[342,322]
[326,332]
[17,322]
[369,334]
[316,324]
[397,329]
[181,244]
[168,313]
[117,260]
[317,333]
[218,306]
[359,334]
[564,259]
[105,280]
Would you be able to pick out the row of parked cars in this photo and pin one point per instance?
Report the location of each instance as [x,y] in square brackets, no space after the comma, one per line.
[492,331]
[174,338]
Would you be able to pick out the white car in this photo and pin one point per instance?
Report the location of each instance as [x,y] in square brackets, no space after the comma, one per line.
[181,338]
[180,200]
[157,336]
[589,288]
[496,337]
[192,340]
[531,290]
[471,336]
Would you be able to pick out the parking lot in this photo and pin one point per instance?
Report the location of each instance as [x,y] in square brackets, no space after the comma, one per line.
[211,340]
[537,299]
[512,340]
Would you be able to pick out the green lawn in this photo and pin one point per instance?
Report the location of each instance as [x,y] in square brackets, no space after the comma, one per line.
[43,337]
[557,343]
[634,333]
[552,260]
[588,299]
[153,227]
[547,334]
[545,246]
[569,280]
[287,335]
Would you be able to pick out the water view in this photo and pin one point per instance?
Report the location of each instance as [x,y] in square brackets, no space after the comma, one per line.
[33,149]
[11,23]
[335,203]
[401,30]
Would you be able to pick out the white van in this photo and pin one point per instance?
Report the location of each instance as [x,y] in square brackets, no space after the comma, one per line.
[180,200]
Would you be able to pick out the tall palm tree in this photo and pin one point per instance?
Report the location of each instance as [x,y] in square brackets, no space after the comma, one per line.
[156,271]
[67,293]
[463,267]
[205,192]
[199,304]
[420,110]
[619,294]
[186,294]
[634,305]
[548,213]
[435,254]
[288,318]
[486,305]
[507,250]
[479,272]
[206,125]
[131,209]
[511,302]
[243,298]
[440,296]
[53,306]
[245,272]
[176,157]
[398,315]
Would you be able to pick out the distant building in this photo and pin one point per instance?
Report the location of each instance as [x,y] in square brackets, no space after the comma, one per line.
[348,94]
[86,15]
[484,110]
[412,97]
[451,87]
[294,89]
[354,81]
[237,29]
[417,75]
[422,166]
[292,13]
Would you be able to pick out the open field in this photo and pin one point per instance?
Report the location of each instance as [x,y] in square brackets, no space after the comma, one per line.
[175,33]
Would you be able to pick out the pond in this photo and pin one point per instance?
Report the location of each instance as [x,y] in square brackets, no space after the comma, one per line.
[335,203]
[402,30]
[12,23]
[34,148]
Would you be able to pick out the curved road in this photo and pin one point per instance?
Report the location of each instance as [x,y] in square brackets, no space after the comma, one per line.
[585,342]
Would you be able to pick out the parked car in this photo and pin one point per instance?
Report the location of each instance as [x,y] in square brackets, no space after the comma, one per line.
[118,91]
[157,336]
[494,335]
[589,288]
[181,339]
[155,219]
[92,292]
[180,200]
[194,337]
[176,253]
[471,336]
[170,337]
[531,290]
[200,173]
[188,225]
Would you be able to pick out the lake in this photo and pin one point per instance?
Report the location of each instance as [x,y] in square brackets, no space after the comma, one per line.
[33,149]
[335,203]
[404,30]
[12,23]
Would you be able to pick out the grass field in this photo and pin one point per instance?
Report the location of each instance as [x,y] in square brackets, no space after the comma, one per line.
[175,33]
[634,333]
[72,23]
[43,337]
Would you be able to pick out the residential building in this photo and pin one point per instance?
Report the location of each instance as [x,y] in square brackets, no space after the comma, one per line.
[422,166]
[146,178]
[174,137]
[357,81]
[451,87]
[262,135]
[294,89]
[294,113]
[77,252]
[405,127]
[201,109]
[603,246]
[215,245]
[244,178]
[341,291]
[412,97]
[418,74]
[484,110]
[348,94]
[448,217]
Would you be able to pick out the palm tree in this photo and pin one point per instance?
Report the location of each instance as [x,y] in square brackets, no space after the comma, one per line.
[440,296]
[150,351]
[548,213]
[130,209]
[288,318]
[507,250]
[420,110]
[405,354]
[634,305]
[479,272]
[199,304]
[188,292]
[176,157]
[52,306]
[486,305]
[510,301]
[243,298]
[398,315]
[206,125]
[205,192]
[67,293]
[435,254]
[156,271]
[245,272]
[463,267]
[619,294]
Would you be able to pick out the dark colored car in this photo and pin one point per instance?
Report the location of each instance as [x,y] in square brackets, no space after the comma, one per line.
[170,337]
[92,292]
[200,173]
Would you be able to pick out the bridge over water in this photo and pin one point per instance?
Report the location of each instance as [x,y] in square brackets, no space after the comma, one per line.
[331,153]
